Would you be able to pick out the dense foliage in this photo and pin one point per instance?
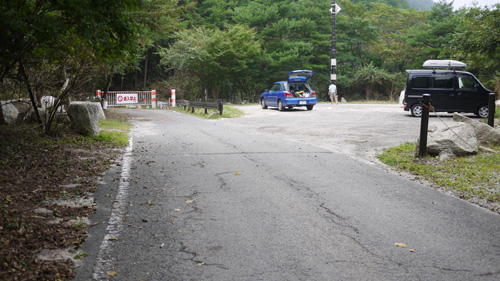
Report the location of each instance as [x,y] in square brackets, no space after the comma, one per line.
[376,42]
[233,49]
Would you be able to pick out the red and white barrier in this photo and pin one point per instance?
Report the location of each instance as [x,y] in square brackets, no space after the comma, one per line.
[126,98]
[173,97]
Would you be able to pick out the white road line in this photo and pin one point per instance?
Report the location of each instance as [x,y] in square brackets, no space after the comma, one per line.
[115,223]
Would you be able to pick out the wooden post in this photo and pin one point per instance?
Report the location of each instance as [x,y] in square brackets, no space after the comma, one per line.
[491,110]
[424,126]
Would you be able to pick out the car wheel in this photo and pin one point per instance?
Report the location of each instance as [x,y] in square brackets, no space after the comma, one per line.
[263,104]
[309,107]
[280,105]
[482,111]
[416,110]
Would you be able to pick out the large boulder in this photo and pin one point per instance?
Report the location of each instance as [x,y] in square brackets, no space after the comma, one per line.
[458,137]
[84,117]
[485,134]
[24,108]
[8,113]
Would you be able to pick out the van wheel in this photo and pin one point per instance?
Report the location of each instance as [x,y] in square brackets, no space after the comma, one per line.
[416,110]
[482,111]
[263,104]
[280,106]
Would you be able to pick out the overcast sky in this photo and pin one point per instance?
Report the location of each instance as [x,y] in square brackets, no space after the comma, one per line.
[460,3]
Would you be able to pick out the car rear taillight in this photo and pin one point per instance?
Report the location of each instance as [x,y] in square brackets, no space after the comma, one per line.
[313,94]
[288,95]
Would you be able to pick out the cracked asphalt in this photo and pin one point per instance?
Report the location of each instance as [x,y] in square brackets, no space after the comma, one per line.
[274,195]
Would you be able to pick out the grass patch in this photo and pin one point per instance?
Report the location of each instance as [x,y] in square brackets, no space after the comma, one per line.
[114,130]
[228,112]
[473,176]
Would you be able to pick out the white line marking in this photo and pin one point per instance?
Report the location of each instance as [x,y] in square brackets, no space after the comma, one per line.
[115,223]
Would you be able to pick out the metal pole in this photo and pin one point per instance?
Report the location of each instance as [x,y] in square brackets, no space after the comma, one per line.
[424,126]
[491,110]
[333,75]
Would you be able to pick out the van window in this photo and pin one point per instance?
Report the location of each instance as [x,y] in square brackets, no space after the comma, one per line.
[420,82]
[467,83]
[443,82]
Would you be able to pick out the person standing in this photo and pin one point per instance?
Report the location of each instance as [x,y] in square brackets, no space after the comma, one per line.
[332,90]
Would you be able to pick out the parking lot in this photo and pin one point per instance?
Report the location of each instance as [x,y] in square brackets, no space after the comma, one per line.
[358,130]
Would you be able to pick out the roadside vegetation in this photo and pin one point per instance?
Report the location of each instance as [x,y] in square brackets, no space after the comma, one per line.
[475,178]
[228,112]
[233,50]
[37,170]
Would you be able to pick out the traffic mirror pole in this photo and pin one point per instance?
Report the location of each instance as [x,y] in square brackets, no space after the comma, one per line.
[333,73]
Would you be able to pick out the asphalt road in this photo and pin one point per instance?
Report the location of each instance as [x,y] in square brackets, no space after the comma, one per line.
[293,195]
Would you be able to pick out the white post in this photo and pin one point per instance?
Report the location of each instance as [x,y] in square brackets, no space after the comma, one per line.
[153,98]
[173,97]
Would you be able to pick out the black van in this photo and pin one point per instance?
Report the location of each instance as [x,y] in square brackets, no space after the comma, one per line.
[450,90]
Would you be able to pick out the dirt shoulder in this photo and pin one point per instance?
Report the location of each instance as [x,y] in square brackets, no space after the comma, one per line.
[45,187]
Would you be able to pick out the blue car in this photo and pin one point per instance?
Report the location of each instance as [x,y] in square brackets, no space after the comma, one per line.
[291,93]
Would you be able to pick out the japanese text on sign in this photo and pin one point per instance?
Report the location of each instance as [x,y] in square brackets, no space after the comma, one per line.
[126,98]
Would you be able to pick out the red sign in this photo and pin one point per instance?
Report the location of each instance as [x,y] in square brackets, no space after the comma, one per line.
[126,98]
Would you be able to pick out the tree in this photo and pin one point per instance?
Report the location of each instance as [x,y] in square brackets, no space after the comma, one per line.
[434,34]
[215,62]
[156,20]
[421,5]
[476,42]
[44,36]
[368,78]
[393,47]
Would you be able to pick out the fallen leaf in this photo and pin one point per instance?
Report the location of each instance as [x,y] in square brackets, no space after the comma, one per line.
[162,245]
[237,174]
[177,210]
[111,273]
[400,245]
[189,201]
[113,239]
[201,263]
[412,250]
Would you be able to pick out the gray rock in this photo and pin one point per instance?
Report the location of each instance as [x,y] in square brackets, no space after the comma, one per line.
[100,112]
[446,155]
[485,134]
[458,137]
[84,117]
[8,113]
[24,108]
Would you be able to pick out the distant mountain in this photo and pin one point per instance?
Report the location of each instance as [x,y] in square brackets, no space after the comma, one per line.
[421,4]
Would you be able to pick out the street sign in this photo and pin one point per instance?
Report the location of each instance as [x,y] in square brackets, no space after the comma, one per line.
[337,9]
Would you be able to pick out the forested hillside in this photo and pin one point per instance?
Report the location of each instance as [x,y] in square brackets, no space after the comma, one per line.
[234,49]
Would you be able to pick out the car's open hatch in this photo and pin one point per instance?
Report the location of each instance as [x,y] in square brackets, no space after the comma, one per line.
[299,76]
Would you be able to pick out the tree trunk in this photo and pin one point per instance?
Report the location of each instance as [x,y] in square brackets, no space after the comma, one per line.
[32,97]
[108,83]
[135,82]
[145,68]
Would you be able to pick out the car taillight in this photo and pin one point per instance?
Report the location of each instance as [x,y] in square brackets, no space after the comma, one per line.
[313,94]
[288,95]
